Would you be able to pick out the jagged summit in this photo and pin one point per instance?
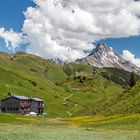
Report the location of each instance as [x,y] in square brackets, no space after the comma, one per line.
[100,48]
[103,56]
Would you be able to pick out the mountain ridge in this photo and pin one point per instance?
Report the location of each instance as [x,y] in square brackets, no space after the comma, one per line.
[105,57]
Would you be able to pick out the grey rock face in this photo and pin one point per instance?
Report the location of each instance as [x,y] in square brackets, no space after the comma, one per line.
[103,56]
[58,61]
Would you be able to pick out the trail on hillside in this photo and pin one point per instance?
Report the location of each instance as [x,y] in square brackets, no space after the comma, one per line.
[65,102]
[68,112]
[66,98]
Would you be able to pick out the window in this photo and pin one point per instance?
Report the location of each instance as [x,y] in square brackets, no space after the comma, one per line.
[15,109]
[3,109]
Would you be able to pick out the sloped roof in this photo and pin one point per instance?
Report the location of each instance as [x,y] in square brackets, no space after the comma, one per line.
[36,99]
[17,97]
[21,97]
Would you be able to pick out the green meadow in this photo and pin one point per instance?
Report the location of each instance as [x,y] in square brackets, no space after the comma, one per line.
[82,103]
[14,127]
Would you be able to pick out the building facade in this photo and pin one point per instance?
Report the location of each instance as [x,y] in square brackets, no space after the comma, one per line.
[37,105]
[22,105]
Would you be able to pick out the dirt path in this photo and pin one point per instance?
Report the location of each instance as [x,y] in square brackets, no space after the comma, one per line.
[65,99]
[69,111]
[65,102]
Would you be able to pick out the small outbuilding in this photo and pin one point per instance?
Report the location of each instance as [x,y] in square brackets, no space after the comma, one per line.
[37,105]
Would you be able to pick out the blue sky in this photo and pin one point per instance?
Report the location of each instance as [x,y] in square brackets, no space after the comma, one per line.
[11,16]
[11,13]
[130,43]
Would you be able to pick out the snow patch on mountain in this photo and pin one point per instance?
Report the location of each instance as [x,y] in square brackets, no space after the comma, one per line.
[103,56]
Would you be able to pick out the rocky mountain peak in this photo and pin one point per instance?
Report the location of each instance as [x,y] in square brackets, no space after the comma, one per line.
[103,56]
[102,47]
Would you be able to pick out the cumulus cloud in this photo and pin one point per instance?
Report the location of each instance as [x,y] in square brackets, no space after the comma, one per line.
[11,38]
[66,28]
[131,57]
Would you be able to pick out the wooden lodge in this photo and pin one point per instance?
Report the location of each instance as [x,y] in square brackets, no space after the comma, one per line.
[22,105]
[37,105]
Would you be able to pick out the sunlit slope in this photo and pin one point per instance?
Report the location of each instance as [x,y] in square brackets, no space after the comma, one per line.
[70,90]
[115,75]
[32,65]
[24,74]
[125,103]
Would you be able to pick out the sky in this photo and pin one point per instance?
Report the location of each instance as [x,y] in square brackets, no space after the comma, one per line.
[66,29]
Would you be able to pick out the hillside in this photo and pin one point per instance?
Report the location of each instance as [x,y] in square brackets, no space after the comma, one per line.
[90,91]
[118,76]
[70,90]
[127,102]
[115,75]
[29,75]
[95,95]
[77,67]
[33,65]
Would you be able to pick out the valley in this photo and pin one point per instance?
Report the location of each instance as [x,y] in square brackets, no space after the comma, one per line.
[69,69]
[69,90]
[81,100]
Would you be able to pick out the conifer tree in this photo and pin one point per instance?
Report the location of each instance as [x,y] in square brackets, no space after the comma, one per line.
[132,79]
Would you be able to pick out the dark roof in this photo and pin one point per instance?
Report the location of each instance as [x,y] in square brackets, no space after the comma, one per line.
[17,97]
[36,99]
[21,97]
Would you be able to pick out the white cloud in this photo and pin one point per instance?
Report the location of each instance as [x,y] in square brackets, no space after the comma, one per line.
[131,57]
[11,38]
[66,28]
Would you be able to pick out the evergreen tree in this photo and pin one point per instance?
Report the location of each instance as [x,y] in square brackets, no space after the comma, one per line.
[9,94]
[132,79]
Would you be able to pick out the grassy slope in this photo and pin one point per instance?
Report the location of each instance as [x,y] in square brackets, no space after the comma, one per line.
[98,96]
[26,75]
[77,67]
[33,76]
[92,92]
[118,122]
[125,103]
[30,75]
[117,76]
[21,84]
[32,65]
